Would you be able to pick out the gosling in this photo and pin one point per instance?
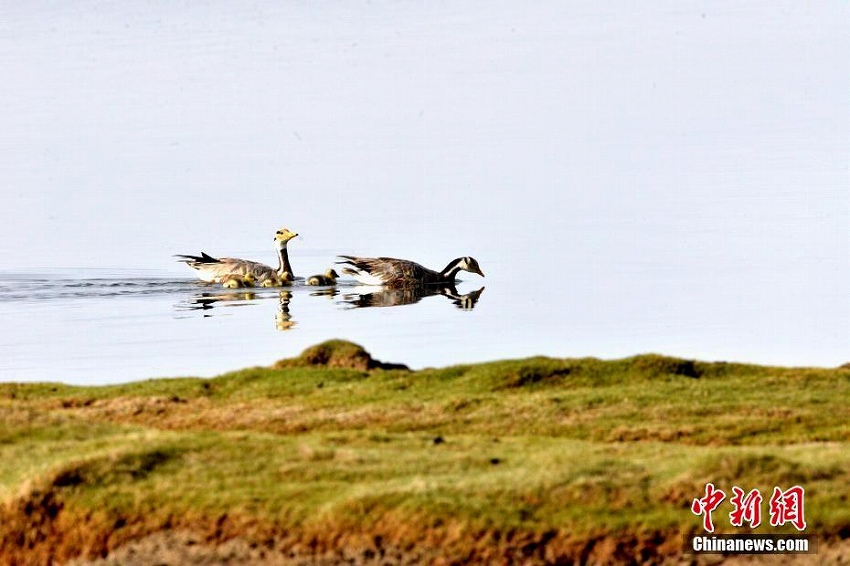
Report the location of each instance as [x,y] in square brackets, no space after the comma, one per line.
[233,281]
[329,278]
[276,280]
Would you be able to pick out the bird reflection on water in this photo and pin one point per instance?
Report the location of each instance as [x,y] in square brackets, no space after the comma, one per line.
[411,295]
[207,301]
[329,292]
[379,297]
[283,319]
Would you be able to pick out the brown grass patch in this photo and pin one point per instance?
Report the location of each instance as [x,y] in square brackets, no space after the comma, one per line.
[41,528]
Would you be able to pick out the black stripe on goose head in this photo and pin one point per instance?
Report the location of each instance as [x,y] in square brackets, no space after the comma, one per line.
[465,263]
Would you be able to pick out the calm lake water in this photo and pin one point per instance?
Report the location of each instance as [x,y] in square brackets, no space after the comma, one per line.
[664,177]
[108,326]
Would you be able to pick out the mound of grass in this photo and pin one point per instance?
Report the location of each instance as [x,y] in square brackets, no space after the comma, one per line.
[333,455]
[337,353]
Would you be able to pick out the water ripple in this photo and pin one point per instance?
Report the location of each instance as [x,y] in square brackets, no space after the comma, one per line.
[24,288]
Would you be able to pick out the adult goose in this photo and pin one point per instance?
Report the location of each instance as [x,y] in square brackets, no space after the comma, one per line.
[398,273]
[213,269]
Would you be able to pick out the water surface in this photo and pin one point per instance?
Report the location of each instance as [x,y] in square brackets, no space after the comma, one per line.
[107,326]
[662,177]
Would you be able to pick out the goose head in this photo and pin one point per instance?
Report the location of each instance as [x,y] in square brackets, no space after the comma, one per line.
[283,236]
[470,264]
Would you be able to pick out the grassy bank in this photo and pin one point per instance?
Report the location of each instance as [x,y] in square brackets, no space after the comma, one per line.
[335,455]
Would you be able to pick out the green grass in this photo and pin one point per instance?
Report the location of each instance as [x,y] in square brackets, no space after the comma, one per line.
[473,457]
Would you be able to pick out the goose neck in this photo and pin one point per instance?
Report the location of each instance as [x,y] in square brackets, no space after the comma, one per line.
[283,261]
[451,271]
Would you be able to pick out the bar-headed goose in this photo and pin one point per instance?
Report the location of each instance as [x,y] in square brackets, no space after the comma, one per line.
[213,269]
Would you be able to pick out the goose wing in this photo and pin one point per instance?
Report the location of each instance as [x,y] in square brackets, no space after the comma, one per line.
[388,271]
[212,269]
[392,296]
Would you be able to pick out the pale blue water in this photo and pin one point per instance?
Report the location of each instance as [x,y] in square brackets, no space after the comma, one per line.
[118,325]
[105,326]
[663,177]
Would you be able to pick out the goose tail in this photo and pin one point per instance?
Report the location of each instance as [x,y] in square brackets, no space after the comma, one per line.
[203,258]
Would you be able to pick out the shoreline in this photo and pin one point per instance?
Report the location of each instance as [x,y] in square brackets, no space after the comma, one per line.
[335,457]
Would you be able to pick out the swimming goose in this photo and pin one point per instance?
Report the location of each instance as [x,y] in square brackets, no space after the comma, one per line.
[212,269]
[397,273]
[233,281]
[329,278]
